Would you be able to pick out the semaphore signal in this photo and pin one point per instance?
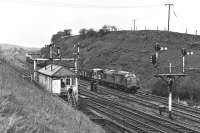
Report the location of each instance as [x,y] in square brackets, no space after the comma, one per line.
[170,77]
[155,57]
[184,53]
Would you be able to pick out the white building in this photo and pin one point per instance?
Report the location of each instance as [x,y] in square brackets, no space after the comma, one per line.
[57,79]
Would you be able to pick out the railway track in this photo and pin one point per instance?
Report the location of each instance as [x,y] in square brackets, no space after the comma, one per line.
[179,115]
[163,124]
[22,72]
[165,100]
[181,110]
[131,125]
[185,118]
[130,122]
[127,113]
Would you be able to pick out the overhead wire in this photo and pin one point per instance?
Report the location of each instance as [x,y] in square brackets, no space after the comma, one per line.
[179,20]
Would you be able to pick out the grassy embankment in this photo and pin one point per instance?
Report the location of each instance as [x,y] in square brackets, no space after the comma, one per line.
[24,108]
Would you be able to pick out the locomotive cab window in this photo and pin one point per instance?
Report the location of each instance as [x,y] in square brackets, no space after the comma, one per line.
[129,80]
[95,75]
[99,75]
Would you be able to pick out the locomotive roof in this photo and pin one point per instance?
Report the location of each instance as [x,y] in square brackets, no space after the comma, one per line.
[124,73]
[97,69]
[109,71]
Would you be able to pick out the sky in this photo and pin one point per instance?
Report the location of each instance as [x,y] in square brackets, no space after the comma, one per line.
[31,23]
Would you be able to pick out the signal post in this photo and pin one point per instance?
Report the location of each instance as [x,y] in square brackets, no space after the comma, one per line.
[184,53]
[170,77]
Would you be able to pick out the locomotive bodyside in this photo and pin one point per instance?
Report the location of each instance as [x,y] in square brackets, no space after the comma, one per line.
[120,80]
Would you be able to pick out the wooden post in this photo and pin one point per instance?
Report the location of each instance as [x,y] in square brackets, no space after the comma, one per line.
[183,64]
[35,69]
[170,78]
[76,72]
[170,84]
[76,80]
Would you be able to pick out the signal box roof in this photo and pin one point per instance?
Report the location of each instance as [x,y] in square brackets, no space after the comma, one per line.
[56,71]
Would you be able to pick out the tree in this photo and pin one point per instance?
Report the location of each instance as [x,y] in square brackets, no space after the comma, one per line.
[91,33]
[113,28]
[104,30]
[60,35]
[57,37]
[82,33]
[67,32]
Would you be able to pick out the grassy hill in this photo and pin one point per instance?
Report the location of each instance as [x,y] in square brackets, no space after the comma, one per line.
[9,51]
[25,108]
[5,46]
[127,50]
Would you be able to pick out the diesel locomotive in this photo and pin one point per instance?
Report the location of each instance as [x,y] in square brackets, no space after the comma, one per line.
[120,80]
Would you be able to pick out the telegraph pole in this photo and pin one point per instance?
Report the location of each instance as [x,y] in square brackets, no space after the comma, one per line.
[169,5]
[134,24]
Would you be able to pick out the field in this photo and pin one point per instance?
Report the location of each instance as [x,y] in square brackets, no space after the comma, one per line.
[25,108]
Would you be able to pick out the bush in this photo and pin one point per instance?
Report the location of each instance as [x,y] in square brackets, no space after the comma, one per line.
[91,33]
[83,33]
[160,88]
[188,89]
[60,35]
[104,30]
[185,89]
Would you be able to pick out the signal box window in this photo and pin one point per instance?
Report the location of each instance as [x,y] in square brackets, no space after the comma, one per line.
[68,81]
[73,81]
[62,83]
